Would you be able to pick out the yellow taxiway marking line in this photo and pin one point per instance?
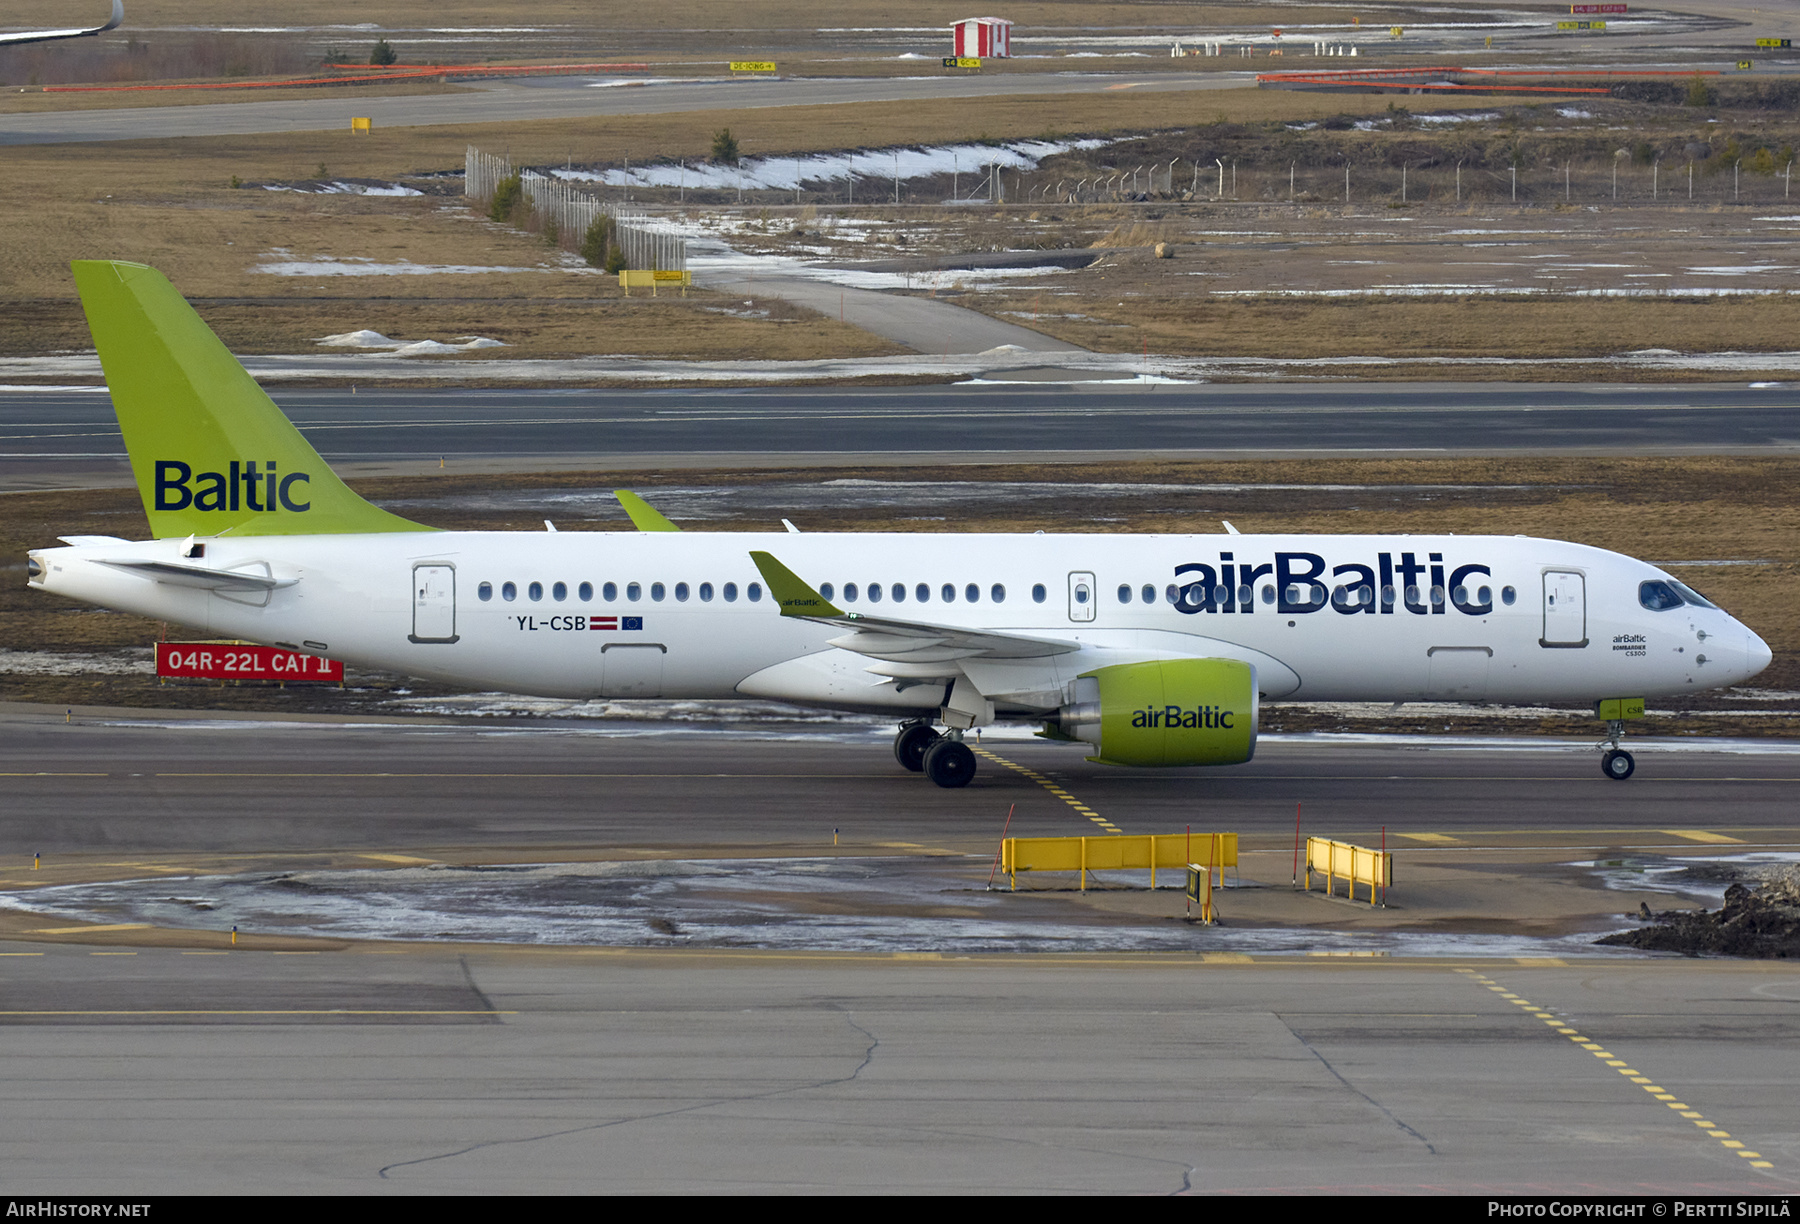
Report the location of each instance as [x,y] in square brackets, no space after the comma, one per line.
[396,858]
[83,930]
[446,776]
[1435,839]
[1701,835]
[1080,807]
[1657,1091]
[246,1011]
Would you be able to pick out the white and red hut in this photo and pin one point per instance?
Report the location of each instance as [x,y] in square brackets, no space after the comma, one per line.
[982,38]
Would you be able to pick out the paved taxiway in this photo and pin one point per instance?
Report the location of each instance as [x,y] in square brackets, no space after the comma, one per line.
[143,783]
[512,102]
[53,438]
[479,1068]
[481,1071]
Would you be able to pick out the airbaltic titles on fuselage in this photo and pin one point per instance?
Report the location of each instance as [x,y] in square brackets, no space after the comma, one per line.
[1297,588]
[245,487]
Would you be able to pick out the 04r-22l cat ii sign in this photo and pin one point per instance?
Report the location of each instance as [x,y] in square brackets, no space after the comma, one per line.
[1152,650]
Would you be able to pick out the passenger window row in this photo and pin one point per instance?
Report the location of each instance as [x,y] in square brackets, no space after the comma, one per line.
[634,592]
[1341,596]
[875,592]
[921,592]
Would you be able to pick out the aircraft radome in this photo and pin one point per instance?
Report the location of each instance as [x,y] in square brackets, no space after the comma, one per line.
[1151,650]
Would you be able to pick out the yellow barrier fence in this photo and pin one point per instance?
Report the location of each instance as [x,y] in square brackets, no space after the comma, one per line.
[1355,865]
[640,278]
[1216,851]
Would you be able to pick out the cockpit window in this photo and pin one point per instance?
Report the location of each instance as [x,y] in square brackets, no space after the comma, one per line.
[1691,595]
[1658,596]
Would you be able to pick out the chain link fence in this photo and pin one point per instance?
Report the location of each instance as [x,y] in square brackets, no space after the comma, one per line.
[648,242]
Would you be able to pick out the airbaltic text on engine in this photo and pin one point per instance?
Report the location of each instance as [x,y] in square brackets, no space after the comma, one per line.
[1175,716]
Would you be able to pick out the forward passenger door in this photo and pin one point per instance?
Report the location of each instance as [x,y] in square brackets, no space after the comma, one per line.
[1565,609]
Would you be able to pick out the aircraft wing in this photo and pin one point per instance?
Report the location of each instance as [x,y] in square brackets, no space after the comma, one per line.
[31,36]
[893,639]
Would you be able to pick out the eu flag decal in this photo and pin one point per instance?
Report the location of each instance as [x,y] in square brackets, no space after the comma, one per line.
[631,622]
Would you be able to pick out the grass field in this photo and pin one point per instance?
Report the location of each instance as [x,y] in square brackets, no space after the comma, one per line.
[1744,513]
[170,203]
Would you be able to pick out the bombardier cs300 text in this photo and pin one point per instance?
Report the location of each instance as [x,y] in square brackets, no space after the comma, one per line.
[1153,650]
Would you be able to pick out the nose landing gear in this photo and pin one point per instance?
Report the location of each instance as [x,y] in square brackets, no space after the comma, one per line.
[1615,762]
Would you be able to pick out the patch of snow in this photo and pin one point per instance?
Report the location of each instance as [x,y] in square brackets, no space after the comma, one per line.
[789,173]
[341,188]
[435,348]
[1465,117]
[359,339]
[134,662]
[366,339]
[331,265]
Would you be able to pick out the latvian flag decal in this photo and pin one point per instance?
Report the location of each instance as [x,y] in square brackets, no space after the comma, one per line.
[615,623]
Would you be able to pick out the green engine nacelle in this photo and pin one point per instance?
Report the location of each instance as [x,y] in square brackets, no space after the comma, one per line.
[1166,712]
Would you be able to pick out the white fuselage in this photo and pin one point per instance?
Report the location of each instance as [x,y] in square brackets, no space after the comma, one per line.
[1358,618]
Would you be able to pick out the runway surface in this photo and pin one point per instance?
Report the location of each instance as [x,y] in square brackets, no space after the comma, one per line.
[512,102]
[466,1068]
[56,438]
[151,783]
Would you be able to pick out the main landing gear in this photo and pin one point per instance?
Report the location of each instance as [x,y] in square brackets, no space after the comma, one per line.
[1615,762]
[945,759]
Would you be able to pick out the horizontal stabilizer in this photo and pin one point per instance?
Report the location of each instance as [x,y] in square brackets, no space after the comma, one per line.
[176,574]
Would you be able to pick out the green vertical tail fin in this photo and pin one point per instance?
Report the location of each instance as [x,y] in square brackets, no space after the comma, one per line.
[210,450]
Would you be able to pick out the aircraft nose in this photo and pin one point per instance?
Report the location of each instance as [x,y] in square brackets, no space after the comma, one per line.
[1757,654]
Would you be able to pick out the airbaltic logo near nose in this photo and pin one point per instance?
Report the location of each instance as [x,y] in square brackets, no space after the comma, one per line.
[246,486]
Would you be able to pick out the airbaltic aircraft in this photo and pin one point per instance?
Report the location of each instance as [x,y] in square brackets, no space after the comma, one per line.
[1153,650]
[35,36]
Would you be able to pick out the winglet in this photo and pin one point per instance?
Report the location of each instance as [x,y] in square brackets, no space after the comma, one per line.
[791,595]
[644,516]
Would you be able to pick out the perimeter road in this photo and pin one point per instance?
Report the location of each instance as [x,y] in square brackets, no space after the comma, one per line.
[511,102]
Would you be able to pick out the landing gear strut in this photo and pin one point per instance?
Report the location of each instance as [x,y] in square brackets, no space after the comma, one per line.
[1615,762]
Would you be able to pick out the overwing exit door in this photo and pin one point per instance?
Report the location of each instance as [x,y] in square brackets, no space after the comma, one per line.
[1082,596]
